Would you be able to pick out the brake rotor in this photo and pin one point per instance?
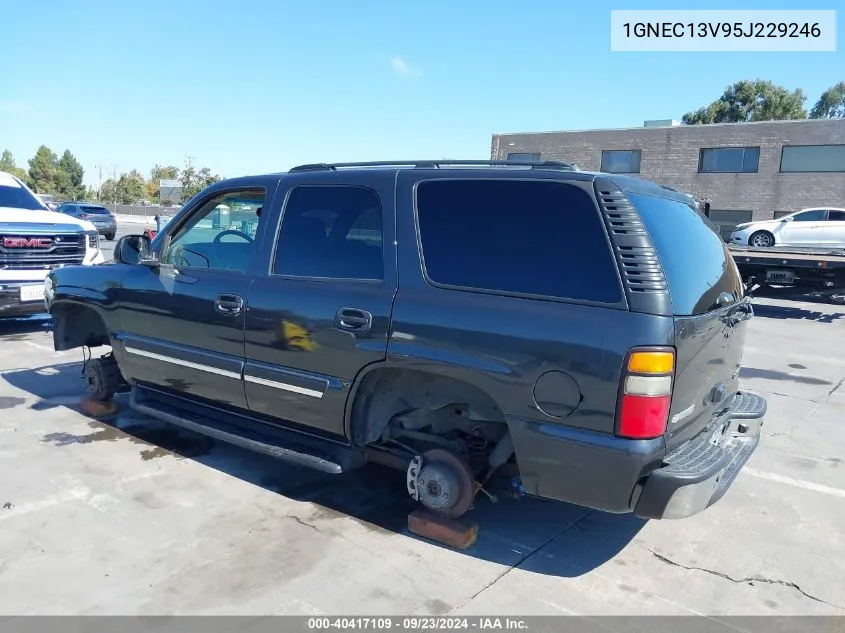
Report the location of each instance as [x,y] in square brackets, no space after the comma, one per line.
[444,484]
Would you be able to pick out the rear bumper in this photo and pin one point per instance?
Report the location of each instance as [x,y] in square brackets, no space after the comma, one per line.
[698,473]
[608,473]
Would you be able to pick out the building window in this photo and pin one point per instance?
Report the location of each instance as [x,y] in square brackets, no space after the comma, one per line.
[729,160]
[523,156]
[620,161]
[780,214]
[726,220]
[804,158]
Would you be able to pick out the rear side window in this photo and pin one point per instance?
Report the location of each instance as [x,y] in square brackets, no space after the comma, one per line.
[696,262]
[526,237]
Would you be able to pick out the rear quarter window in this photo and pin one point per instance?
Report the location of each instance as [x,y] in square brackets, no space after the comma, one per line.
[695,260]
[540,238]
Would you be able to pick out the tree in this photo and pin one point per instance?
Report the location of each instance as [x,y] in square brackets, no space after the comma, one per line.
[195,181]
[7,164]
[158,173]
[42,170]
[831,105]
[131,187]
[751,100]
[108,191]
[69,174]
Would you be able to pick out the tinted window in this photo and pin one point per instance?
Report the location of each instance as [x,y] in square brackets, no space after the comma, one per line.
[541,238]
[13,195]
[621,161]
[333,232]
[219,235]
[729,160]
[817,215]
[696,262]
[95,210]
[836,216]
[808,158]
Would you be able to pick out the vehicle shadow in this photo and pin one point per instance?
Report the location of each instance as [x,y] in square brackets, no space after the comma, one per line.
[787,312]
[17,328]
[542,536]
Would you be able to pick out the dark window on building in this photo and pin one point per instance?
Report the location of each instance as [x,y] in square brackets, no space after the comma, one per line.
[331,232]
[621,161]
[816,215]
[780,214]
[726,220]
[809,158]
[698,267]
[523,156]
[729,160]
[512,236]
[836,215]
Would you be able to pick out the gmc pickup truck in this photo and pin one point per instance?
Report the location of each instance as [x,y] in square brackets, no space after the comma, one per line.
[34,241]
[467,322]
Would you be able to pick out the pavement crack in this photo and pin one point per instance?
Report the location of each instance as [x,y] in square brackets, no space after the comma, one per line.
[305,523]
[575,524]
[835,387]
[750,580]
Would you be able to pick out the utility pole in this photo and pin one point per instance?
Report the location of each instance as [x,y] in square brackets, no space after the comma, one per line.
[190,161]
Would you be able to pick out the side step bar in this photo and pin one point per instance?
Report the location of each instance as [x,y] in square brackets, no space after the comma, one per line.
[251,434]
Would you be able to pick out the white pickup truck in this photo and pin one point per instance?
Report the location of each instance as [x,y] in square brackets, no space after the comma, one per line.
[34,241]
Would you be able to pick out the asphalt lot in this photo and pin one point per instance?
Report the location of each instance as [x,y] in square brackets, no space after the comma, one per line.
[135,517]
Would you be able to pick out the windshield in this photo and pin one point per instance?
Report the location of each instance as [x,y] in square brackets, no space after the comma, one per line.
[12,194]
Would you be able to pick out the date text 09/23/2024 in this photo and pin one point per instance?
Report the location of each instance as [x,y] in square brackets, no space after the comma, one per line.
[416,623]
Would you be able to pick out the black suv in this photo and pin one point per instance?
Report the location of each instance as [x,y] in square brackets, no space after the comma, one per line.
[526,327]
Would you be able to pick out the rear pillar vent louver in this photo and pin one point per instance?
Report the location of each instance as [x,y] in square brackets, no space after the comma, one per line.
[642,275]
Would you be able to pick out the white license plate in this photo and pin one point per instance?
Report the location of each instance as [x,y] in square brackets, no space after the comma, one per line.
[32,293]
[780,276]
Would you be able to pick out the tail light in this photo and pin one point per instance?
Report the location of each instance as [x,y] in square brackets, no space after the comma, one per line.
[646,393]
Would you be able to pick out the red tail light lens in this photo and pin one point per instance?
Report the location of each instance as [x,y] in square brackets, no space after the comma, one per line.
[646,393]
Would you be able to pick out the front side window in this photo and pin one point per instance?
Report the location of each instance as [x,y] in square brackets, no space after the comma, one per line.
[331,232]
[621,161]
[516,236]
[730,160]
[219,235]
[816,215]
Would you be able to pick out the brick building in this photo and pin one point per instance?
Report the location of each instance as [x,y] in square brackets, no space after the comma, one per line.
[746,170]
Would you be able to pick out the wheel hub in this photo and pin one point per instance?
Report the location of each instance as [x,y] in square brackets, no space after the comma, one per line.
[441,482]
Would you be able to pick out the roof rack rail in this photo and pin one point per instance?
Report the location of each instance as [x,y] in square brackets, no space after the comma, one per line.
[439,164]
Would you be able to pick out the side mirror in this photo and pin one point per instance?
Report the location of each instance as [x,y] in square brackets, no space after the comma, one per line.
[132,249]
[787,219]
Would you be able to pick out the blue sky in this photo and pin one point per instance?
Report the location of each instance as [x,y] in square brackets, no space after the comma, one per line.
[257,85]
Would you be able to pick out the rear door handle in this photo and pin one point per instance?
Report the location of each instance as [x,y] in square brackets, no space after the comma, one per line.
[230,305]
[353,320]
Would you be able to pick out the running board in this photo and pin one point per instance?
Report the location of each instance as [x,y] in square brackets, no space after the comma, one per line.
[249,433]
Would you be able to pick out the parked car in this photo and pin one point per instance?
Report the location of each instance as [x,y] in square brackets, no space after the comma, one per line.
[97,214]
[34,241]
[465,322]
[822,226]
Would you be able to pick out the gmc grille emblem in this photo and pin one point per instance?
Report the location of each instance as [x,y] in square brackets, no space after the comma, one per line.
[26,242]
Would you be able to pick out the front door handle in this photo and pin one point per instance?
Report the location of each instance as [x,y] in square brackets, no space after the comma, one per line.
[230,305]
[353,320]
